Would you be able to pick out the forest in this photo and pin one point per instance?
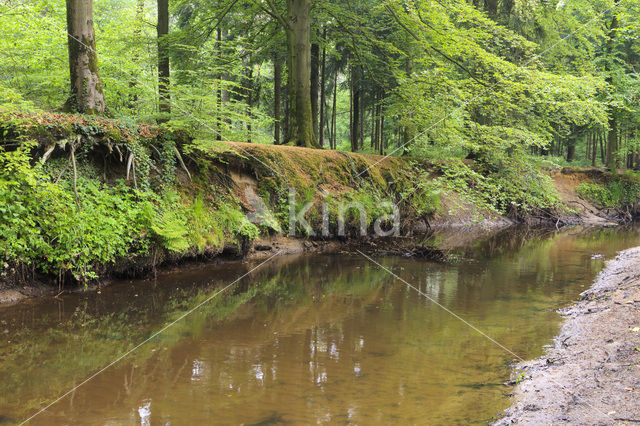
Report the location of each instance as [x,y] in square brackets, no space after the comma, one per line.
[435,79]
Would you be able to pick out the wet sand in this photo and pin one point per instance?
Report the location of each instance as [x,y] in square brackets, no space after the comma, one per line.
[591,375]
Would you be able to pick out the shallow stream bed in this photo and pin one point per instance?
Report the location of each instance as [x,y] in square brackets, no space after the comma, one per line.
[304,339]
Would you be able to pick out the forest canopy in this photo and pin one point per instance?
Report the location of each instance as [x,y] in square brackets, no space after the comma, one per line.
[481,79]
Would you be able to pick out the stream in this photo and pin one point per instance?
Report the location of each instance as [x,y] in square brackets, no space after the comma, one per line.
[317,338]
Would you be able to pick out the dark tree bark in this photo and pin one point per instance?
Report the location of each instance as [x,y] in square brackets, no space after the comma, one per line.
[299,61]
[323,85]
[277,94]
[334,112]
[382,132]
[355,110]
[362,108]
[285,122]
[571,152]
[373,120]
[491,6]
[164,97]
[86,89]
[315,83]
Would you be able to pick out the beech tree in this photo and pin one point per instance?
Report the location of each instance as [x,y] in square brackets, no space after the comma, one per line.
[86,89]
[297,26]
[164,104]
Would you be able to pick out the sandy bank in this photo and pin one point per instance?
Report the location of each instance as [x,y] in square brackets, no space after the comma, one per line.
[592,373]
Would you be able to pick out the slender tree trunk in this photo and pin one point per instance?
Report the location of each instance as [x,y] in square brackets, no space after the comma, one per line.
[86,88]
[285,122]
[277,93]
[164,103]
[137,32]
[612,145]
[373,119]
[219,91]
[299,62]
[334,112]
[362,108]
[382,141]
[224,78]
[594,150]
[249,96]
[602,157]
[323,83]
[355,110]
[315,83]
[378,127]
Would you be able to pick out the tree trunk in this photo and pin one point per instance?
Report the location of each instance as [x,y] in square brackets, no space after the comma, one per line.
[381,132]
[285,122]
[249,95]
[219,91]
[373,119]
[612,145]
[333,112]
[277,94]
[594,150]
[164,97]
[377,132]
[299,62]
[491,6]
[137,32]
[86,89]
[571,152]
[323,82]
[355,111]
[315,83]
[224,78]
[362,108]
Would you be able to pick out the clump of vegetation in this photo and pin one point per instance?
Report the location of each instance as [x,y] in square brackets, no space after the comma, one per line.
[58,223]
[620,192]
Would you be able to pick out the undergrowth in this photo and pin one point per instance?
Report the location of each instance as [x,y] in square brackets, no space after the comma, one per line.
[620,192]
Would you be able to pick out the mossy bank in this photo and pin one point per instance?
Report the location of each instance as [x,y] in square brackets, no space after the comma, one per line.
[86,198]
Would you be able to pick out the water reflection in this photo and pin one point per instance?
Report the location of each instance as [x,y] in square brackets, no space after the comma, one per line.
[308,340]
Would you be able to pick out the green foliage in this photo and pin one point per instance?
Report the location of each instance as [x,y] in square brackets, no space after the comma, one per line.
[621,191]
[42,225]
[46,227]
[515,188]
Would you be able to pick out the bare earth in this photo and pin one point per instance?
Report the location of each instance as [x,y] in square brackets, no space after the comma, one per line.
[592,374]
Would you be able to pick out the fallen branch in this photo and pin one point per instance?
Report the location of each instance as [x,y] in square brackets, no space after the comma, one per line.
[179,157]
[47,154]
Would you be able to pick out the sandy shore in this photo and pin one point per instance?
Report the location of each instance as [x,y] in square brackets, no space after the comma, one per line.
[592,374]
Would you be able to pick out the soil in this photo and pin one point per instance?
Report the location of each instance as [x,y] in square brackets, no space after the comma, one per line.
[566,181]
[592,373]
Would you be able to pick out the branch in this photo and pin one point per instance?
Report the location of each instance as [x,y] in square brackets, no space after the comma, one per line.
[273,12]
[447,57]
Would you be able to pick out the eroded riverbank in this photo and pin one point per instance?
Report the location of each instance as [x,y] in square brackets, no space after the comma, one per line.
[592,373]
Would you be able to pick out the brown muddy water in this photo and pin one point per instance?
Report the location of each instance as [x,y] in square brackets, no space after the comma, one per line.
[305,339]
